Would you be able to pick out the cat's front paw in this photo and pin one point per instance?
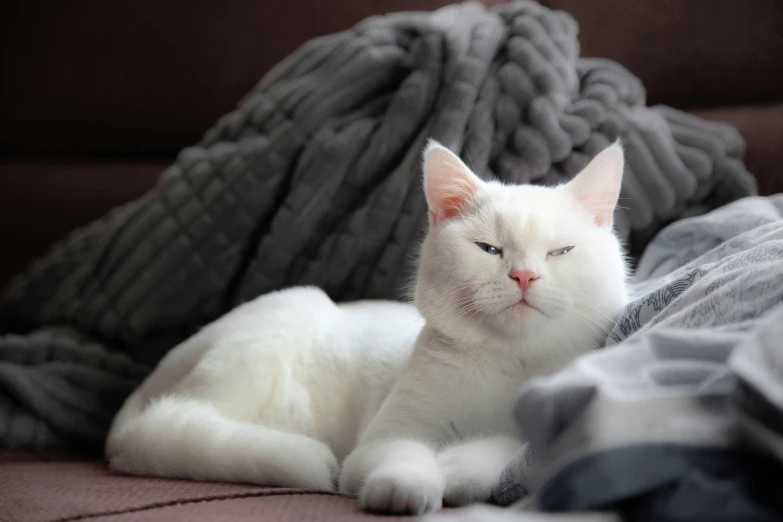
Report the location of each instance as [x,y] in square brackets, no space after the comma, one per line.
[329,469]
[318,468]
[467,479]
[402,489]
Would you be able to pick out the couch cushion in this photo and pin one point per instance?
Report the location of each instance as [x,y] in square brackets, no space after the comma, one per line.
[37,490]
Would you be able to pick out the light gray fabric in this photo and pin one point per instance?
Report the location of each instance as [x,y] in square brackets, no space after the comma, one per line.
[707,315]
[315,178]
[758,366]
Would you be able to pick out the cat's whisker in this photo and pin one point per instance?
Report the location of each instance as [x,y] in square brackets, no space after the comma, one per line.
[459,308]
[453,291]
[446,298]
[585,295]
[408,326]
[458,304]
[477,307]
[598,307]
[590,322]
[608,319]
[611,321]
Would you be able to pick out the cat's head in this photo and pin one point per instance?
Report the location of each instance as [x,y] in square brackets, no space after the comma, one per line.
[519,260]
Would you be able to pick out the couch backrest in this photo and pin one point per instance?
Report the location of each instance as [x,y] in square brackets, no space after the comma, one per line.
[146,77]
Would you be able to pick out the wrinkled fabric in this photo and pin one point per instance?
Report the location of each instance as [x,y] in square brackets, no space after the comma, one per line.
[315,179]
[679,418]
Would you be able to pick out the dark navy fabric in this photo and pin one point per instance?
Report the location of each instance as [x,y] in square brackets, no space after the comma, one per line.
[669,483]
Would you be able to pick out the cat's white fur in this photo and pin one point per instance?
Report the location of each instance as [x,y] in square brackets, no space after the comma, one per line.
[416,407]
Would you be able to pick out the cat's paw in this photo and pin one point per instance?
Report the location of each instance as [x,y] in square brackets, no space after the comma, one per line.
[318,468]
[330,470]
[402,489]
[467,479]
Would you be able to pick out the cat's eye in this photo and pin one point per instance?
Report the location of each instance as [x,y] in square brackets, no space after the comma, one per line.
[489,249]
[561,251]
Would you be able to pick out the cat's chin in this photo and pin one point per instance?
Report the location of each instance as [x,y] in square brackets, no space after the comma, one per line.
[519,320]
[524,309]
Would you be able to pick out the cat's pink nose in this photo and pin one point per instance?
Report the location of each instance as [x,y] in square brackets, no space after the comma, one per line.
[523,278]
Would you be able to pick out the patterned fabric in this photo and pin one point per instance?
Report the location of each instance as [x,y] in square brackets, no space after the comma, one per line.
[687,392]
[315,179]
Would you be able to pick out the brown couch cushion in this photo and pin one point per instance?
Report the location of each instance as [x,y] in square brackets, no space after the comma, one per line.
[34,490]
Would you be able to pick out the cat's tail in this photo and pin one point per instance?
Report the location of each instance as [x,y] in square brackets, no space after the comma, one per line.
[183,438]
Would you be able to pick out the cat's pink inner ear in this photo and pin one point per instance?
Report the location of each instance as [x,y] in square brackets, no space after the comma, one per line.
[597,187]
[449,184]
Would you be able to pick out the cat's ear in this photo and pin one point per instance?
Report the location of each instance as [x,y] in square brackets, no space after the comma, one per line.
[449,184]
[597,187]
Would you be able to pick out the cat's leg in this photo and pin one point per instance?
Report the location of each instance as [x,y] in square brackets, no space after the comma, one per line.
[394,468]
[472,469]
[187,438]
[395,476]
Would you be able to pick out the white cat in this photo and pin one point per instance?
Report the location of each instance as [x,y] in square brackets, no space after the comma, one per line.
[513,282]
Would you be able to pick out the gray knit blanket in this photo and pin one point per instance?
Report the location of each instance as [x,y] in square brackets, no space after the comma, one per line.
[315,179]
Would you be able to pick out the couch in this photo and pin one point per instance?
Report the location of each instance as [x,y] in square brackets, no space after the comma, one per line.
[97,98]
